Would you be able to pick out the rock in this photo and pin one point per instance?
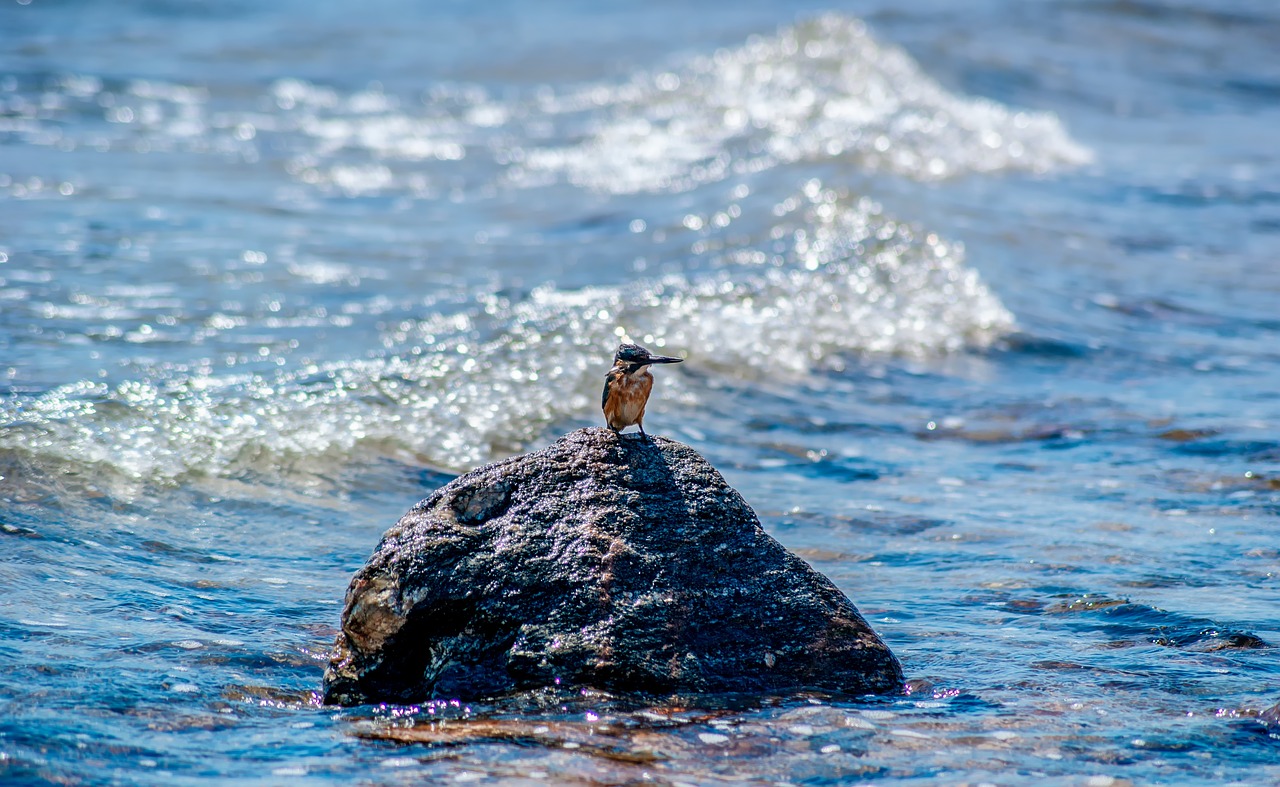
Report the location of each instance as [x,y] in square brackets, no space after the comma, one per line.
[600,561]
[1271,716]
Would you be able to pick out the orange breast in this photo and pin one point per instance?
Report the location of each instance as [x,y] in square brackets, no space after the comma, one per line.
[627,398]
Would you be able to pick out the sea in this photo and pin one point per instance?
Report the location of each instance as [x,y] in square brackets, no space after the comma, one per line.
[979,305]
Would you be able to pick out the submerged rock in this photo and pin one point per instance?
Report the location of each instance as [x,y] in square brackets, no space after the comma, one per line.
[600,561]
[1271,716]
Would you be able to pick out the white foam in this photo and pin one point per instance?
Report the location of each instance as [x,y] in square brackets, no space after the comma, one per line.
[823,89]
[826,89]
[465,387]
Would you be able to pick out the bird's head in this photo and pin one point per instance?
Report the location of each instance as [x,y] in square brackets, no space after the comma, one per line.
[634,357]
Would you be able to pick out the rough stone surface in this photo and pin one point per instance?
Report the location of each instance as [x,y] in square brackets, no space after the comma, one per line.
[614,563]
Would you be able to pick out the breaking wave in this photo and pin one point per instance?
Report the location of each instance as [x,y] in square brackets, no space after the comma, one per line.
[825,89]
[459,388]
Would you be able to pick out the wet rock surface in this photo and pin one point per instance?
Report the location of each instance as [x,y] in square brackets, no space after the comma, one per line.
[613,563]
[1271,716]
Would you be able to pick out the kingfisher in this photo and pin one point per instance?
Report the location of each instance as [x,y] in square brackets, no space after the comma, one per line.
[627,387]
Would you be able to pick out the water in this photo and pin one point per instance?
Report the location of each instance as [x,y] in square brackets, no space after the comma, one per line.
[981,309]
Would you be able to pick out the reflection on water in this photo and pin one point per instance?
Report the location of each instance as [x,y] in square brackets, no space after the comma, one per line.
[983,328]
[840,280]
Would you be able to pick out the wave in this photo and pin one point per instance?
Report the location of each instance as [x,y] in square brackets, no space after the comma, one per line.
[821,90]
[824,89]
[455,389]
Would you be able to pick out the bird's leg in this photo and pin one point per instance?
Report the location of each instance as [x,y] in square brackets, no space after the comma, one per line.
[643,436]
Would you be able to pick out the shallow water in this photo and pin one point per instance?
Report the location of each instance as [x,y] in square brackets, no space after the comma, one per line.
[980,307]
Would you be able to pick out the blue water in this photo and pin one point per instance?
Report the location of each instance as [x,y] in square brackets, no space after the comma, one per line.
[981,307]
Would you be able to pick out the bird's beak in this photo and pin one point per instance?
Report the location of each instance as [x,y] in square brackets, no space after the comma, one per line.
[664,359]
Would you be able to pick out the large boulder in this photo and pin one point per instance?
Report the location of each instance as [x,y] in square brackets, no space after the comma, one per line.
[611,562]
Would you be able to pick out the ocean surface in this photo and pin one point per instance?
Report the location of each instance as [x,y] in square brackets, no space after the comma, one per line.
[981,310]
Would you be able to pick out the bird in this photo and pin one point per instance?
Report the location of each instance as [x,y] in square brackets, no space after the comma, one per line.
[627,387]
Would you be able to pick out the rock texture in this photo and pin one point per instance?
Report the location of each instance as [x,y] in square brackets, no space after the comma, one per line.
[601,561]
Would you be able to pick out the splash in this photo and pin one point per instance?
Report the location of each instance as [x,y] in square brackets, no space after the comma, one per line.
[825,89]
[461,388]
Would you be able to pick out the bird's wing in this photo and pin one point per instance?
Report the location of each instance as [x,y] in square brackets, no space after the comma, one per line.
[608,380]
